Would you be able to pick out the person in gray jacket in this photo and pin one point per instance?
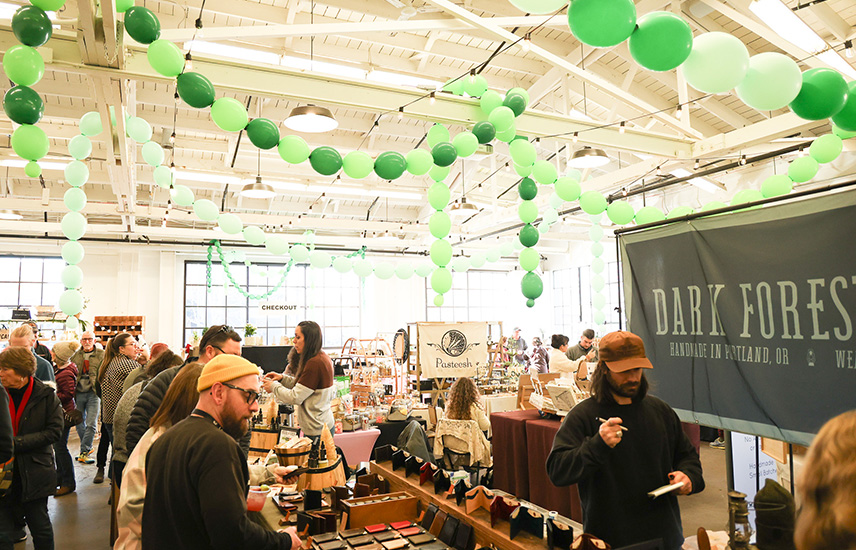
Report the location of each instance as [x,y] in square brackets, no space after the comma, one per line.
[87,358]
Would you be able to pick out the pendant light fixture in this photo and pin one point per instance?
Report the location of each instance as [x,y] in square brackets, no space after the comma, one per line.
[7,214]
[588,158]
[462,210]
[258,189]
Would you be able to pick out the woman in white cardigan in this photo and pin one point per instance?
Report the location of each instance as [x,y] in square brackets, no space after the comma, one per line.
[560,363]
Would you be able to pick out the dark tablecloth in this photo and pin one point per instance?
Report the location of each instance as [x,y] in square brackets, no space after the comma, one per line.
[389,431]
[510,457]
[564,500]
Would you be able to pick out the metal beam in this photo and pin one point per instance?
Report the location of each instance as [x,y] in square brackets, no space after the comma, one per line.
[749,136]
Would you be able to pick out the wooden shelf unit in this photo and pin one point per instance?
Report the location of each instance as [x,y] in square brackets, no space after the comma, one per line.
[106,327]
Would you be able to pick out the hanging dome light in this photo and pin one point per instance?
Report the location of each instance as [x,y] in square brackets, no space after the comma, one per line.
[258,190]
[462,210]
[588,158]
[311,119]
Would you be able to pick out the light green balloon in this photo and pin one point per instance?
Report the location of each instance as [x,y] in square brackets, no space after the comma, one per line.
[206,210]
[544,172]
[478,259]
[163,177]
[299,253]
[599,318]
[384,270]
[522,171]
[437,134]
[182,195]
[357,164]
[275,244]
[502,118]
[680,211]
[746,196]
[30,142]
[90,124]
[229,114]
[342,264]
[438,196]
[76,173]
[803,169]
[441,280]
[121,5]
[32,169]
[568,188]
[73,226]
[551,216]
[620,212]
[74,199]
[596,233]
[556,201]
[598,300]
[460,264]
[165,58]
[441,252]
[490,100]
[826,148]
[80,147]
[718,62]
[527,211]
[439,301]
[419,161]
[493,254]
[508,135]
[439,173]
[522,152]
[772,82]
[649,214]
[842,133]
[439,225]
[23,65]
[529,259]
[294,149]
[363,268]
[465,144]
[521,91]
[454,86]
[319,259]
[423,269]
[597,250]
[71,276]
[776,185]
[72,252]
[597,266]
[153,153]
[254,235]
[475,85]
[592,202]
[71,323]
[71,302]
[139,130]
[543,228]
[404,270]
[712,205]
[597,283]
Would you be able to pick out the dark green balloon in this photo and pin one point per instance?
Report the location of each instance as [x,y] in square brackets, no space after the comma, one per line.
[32,26]
[529,235]
[390,165]
[527,189]
[515,102]
[484,131]
[23,105]
[325,160]
[142,24]
[444,154]
[195,89]
[823,94]
[531,285]
[846,117]
[263,133]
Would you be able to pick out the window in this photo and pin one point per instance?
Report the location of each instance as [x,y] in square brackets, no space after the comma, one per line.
[475,296]
[327,297]
[572,299]
[27,282]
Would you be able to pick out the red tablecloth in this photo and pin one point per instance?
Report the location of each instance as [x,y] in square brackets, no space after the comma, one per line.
[564,500]
[510,457]
[693,431]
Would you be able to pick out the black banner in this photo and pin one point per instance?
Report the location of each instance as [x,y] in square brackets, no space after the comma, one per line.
[749,317]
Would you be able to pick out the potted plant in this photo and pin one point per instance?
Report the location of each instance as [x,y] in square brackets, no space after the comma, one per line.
[250,336]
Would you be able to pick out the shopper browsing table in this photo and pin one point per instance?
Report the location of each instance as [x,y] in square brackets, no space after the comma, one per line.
[639,447]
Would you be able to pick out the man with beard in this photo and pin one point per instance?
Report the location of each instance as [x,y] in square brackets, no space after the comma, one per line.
[639,447]
[197,475]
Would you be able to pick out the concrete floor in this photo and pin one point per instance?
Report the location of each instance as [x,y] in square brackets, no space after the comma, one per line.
[81,520]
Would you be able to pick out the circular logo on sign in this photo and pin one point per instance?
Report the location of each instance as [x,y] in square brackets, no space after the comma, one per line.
[454,343]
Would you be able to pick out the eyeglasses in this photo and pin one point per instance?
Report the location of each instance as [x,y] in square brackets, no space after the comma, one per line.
[223,351]
[252,395]
[87,339]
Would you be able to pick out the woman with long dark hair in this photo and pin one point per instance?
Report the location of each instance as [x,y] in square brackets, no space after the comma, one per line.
[307,382]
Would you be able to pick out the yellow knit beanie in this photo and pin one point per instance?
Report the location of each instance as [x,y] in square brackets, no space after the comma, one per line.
[224,368]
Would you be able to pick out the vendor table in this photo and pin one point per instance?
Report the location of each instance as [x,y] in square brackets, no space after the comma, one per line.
[510,457]
[565,500]
[357,446]
[500,402]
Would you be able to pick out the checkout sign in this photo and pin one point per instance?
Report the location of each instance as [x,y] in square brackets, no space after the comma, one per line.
[278,308]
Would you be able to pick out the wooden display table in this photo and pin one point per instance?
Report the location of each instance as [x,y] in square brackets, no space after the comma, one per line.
[484,534]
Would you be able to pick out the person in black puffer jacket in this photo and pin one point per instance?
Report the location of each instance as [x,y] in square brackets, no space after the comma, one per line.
[37,424]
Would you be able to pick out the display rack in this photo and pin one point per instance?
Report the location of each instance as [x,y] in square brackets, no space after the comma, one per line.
[43,336]
[106,327]
[373,357]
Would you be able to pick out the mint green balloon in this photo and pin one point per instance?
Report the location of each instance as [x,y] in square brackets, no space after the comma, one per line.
[299,253]
[404,270]
[438,196]
[30,142]
[231,224]
[527,211]
[165,58]
[438,173]
[182,195]
[597,250]
[363,268]
[568,189]
[419,162]
[522,152]
[841,132]
[76,173]
[508,135]
[71,302]
[478,259]
[357,164]
[23,65]
[454,86]
[153,153]
[276,245]
[80,147]
[441,280]
[718,62]
[777,185]
[254,235]
[772,82]
[649,214]
[71,276]
[597,266]
[440,225]
[90,124]
[342,264]
[72,252]
[475,85]
[32,169]
[505,249]
[460,264]
[501,118]
[206,210]
[592,202]
[294,150]
[437,134]
[441,252]
[522,171]
[320,259]
[493,254]
[490,100]
[598,300]
[229,114]
[529,259]
[163,177]
[803,169]
[544,172]
[712,205]
[74,199]
[596,233]
[72,323]
[681,211]
[139,130]
[73,226]
[384,270]
[620,212]
[826,148]
[597,283]
[745,196]
[465,144]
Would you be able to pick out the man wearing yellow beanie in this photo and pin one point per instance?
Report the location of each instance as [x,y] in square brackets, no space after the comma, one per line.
[197,476]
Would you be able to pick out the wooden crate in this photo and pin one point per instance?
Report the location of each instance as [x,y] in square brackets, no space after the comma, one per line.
[370,510]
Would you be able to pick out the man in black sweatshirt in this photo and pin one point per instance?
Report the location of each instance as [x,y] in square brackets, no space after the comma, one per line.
[620,444]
